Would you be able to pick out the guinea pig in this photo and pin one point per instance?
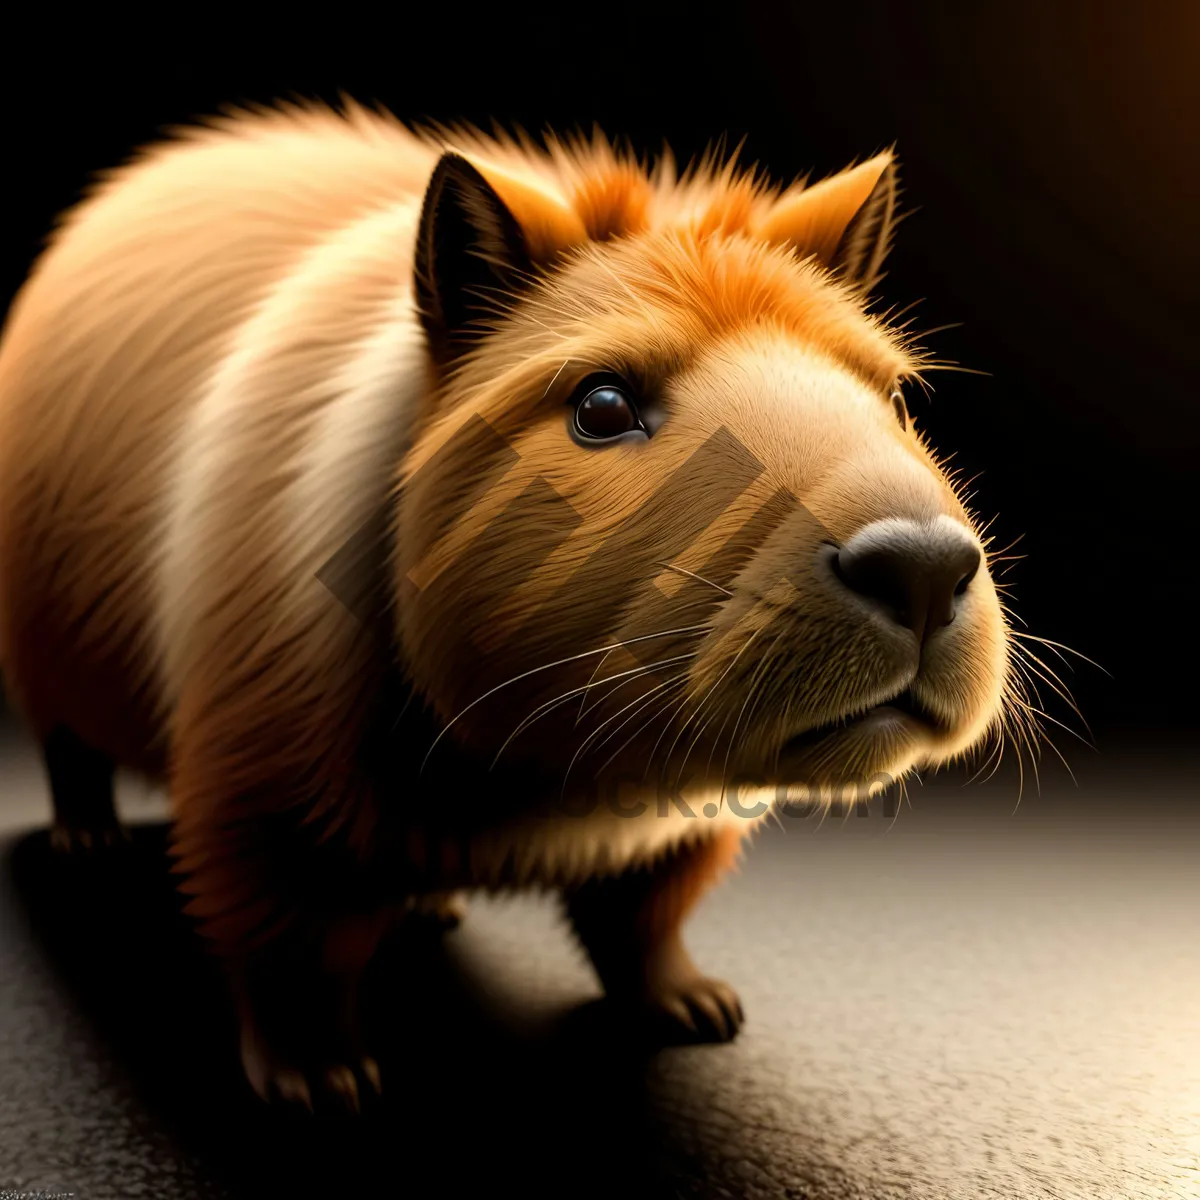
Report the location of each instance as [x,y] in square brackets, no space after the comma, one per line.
[432,511]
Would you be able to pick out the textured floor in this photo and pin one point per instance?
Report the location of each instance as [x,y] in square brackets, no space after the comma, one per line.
[963,1002]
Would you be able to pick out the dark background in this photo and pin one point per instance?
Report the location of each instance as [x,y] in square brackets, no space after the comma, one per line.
[999,998]
[1049,150]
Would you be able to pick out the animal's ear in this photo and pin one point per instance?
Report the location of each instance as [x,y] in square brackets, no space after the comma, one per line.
[482,232]
[845,221]
[470,255]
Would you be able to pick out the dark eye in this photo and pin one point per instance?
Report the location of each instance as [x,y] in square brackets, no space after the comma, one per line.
[900,409]
[604,411]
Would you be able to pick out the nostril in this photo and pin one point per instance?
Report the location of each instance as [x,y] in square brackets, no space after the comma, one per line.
[881,575]
[914,573]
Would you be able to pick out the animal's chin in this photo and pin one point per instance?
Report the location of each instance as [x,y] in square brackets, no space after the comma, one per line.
[862,744]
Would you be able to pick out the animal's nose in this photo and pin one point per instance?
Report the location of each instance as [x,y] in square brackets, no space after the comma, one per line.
[915,572]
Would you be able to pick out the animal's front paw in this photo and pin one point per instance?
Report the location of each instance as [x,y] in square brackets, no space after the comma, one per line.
[306,1084]
[81,841]
[695,1008]
[297,1000]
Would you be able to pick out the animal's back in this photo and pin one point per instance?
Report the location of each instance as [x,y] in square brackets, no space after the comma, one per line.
[108,350]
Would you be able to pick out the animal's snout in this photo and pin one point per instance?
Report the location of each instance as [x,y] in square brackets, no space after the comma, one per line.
[914,572]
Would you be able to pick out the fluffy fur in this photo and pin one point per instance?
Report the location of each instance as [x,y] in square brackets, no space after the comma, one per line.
[217,376]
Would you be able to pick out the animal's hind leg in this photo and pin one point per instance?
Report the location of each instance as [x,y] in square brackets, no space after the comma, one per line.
[82,789]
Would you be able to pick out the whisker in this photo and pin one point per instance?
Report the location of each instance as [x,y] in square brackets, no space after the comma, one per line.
[1010,615]
[637,703]
[1047,717]
[1061,759]
[954,367]
[676,682]
[1060,646]
[1005,549]
[583,746]
[600,664]
[748,643]
[692,575]
[525,675]
[1061,691]
[1001,741]
[755,681]
[1030,663]
[703,627]
[997,748]
[554,380]
[549,705]
[658,741]
[903,786]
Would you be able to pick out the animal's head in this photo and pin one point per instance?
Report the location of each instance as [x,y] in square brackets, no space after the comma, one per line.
[668,517]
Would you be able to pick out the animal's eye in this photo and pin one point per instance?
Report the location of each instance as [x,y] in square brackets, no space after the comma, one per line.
[604,410]
[900,409]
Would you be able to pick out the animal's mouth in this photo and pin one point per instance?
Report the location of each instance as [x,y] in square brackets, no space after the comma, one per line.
[903,708]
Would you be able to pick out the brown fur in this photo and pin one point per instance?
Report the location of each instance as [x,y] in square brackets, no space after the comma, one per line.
[215,375]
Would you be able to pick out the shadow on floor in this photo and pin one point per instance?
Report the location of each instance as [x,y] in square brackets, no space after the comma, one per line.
[475,1100]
